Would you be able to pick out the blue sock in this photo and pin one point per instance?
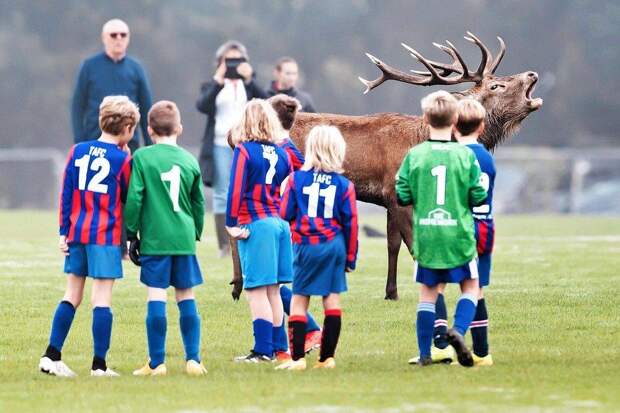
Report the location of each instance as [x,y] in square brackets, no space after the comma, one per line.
[280,338]
[441,323]
[102,331]
[464,313]
[286,294]
[190,329]
[263,333]
[156,326]
[63,317]
[424,327]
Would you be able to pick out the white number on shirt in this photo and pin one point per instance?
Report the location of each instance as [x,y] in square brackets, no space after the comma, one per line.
[272,157]
[314,192]
[174,177]
[101,166]
[485,182]
[440,172]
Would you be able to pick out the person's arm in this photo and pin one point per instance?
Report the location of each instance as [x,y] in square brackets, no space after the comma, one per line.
[125,177]
[236,188]
[78,104]
[288,204]
[66,196]
[133,204]
[198,204]
[295,156]
[349,225]
[477,193]
[208,93]
[404,195]
[144,101]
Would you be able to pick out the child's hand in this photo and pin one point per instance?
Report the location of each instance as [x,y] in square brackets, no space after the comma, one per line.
[347,269]
[245,70]
[219,73]
[238,232]
[62,244]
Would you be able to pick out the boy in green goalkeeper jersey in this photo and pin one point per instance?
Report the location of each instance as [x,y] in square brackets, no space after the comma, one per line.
[165,206]
[440,178]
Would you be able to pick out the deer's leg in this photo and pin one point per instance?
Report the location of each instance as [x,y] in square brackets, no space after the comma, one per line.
[237,280]
[394,239]
[405,225]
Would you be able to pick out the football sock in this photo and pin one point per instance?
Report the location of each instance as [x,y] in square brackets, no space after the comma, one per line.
[61,324]
[102,331]
[263,337]
[286,294]
[441,323]
[279,339]
[297,336]
[331,333]
[190,329]
[464,313]
[479,328]
[424,327]
[156,326]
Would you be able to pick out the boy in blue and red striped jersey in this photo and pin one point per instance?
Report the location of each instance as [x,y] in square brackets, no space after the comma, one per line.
[286,108]
[320,205]
[259,167]
[95,183]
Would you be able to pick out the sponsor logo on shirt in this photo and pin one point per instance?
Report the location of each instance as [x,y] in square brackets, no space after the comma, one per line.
[439,217]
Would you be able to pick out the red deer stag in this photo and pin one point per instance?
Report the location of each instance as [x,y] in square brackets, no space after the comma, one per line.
[376,144]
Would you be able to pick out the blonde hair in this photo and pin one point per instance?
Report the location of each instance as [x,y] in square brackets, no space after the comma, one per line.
[471,115]
[116,113]
[259,122]
[325,149]
[165,118]
[440,109]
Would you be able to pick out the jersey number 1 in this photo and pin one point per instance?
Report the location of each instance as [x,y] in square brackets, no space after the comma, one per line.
[440,172]
[174,177]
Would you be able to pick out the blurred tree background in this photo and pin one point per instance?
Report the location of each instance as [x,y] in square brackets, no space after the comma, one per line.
[572,44]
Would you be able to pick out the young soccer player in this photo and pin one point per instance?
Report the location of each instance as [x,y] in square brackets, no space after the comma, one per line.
[165,207]
[286,108]
[320,205]
[440,178]
[94,185]
[468,129]
[259,167]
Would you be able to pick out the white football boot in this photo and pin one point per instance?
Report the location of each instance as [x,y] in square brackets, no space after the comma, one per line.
[55,368]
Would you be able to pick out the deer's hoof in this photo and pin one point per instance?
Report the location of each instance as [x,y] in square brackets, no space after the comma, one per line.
[391,295]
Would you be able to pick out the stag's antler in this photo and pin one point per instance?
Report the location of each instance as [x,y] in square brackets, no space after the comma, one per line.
[488,65]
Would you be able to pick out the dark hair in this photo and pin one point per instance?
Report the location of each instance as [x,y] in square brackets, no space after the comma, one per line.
[286,108]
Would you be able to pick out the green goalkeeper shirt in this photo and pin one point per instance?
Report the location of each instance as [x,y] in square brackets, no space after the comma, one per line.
[441,181]
[165,203]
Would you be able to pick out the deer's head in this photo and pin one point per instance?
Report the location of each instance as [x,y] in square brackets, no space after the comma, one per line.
[507,99]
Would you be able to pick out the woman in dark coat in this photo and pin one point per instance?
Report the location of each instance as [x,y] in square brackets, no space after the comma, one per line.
[223,99]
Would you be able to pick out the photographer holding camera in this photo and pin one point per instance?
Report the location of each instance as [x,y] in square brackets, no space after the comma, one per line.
[223,99]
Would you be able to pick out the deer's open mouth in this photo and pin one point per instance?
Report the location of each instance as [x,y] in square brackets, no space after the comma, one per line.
[532,103]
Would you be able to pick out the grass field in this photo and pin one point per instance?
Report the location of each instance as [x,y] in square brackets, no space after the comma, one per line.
[554,308]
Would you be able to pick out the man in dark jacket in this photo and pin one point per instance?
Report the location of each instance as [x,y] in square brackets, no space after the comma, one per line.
[110,72]
[286,75]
